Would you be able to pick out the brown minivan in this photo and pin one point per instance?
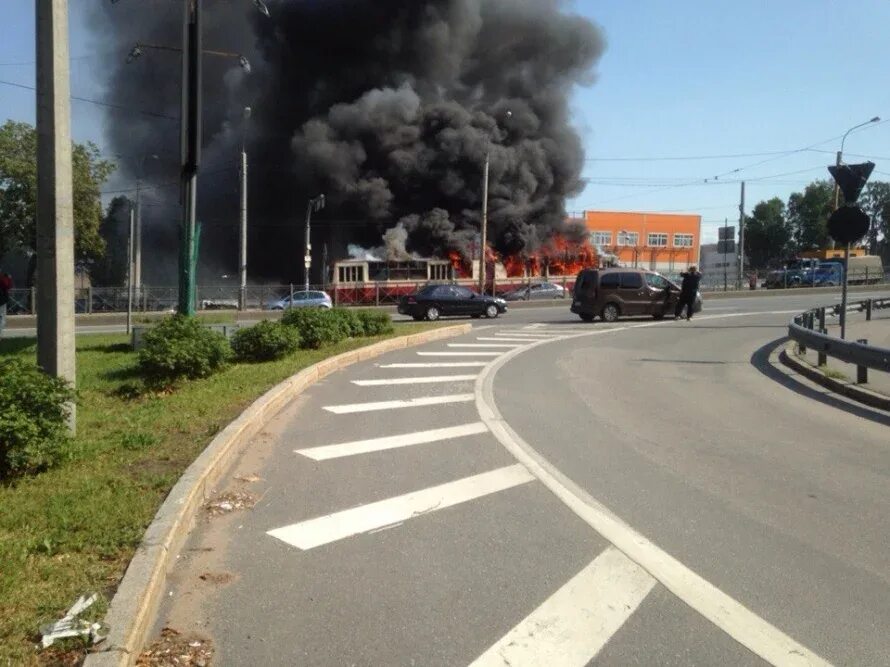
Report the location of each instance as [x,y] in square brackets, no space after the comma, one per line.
[614,293]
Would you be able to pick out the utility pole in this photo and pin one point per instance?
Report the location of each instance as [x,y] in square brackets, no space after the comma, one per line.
[741,237]
[191,151]
[725,263]
[130,269]
[55,200]
[484,240]
[314,204]
[242,237]
[137,242]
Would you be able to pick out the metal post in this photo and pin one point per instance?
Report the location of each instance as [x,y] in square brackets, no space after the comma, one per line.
[725,267]
[308,256]
[868,307]
[130,270]
[837,188]
[137,247]
[376,294]
[90,299]
[242,237]
[484,240]
[843,314]
[191,150]
[55,205]
[291,304]
[862,371]
[741,236]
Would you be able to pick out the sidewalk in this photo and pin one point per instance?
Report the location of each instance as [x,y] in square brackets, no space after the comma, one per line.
[877,332]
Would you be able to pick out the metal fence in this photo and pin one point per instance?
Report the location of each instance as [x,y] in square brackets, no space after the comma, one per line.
[809,331]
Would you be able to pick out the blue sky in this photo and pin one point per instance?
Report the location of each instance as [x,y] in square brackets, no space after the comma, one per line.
[678,80]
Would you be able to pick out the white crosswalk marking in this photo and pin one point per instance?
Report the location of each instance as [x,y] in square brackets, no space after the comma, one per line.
[504,339]
[510,345]
[439,364]
[430,379]
[459,354]
[333,527]
[574,624]
[392,442]
[395,405]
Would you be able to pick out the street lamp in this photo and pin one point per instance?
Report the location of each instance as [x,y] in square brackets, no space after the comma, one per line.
[139,50]
[840,154]
[313,206]
[242,237]
[190,137]
[484,240]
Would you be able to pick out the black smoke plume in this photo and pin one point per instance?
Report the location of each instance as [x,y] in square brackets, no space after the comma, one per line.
[388,107]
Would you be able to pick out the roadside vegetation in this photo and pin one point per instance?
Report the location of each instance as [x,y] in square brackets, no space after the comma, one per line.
[75,508]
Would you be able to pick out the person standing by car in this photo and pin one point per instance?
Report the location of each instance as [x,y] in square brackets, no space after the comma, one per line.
[688,291]
[5,289]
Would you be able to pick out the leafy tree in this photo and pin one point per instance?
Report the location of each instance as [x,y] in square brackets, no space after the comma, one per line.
[767,233]
[111,268]
[18,192]
[875,200]
[808,213]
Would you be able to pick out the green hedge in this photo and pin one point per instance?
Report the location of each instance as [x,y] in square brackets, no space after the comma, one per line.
[319,327]
[181,347]
[265,341]
[33,416]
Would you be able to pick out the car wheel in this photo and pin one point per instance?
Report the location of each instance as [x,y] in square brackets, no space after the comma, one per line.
[586,318]
[610,312]
[432,313]
[491,311]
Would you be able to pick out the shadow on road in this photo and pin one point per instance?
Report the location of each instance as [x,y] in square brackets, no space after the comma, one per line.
[761,361]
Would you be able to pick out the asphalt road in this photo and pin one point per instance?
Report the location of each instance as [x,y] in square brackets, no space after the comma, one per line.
[569,494]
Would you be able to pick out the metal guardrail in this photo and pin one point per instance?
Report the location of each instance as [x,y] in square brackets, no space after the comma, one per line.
[808,330]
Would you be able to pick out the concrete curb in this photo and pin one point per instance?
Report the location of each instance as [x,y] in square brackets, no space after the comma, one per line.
[138,596]
[789,358]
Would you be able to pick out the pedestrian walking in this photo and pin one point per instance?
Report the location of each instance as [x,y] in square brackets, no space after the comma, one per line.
[688,292]
[5,289]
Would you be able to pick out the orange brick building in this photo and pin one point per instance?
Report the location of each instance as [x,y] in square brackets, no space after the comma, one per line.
[664,242]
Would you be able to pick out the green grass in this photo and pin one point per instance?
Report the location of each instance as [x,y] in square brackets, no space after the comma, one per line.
[73,529]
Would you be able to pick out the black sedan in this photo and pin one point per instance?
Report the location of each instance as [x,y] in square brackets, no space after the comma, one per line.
[435,301]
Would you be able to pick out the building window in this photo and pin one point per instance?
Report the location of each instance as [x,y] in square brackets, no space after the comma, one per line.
[631,239]
[683,240]
[601,238]
[658,240]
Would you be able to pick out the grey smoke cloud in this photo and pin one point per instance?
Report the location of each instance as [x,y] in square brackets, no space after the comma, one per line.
[386,106]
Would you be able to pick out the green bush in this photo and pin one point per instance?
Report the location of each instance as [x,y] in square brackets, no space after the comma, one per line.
[350,322]
[375,322]
[265,341]
[317,327]
[33,414]
[180,347]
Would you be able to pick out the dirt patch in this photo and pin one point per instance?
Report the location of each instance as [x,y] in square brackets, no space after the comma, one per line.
[230,501]
[175,648]
[217,578]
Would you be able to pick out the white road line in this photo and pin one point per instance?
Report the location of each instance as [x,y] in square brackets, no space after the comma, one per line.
[429,379]
[394,405]
[332,527]
[504,339]
[391,442]
[736,620]
[510,345]
[458,354]
[574,624]
[439,364]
